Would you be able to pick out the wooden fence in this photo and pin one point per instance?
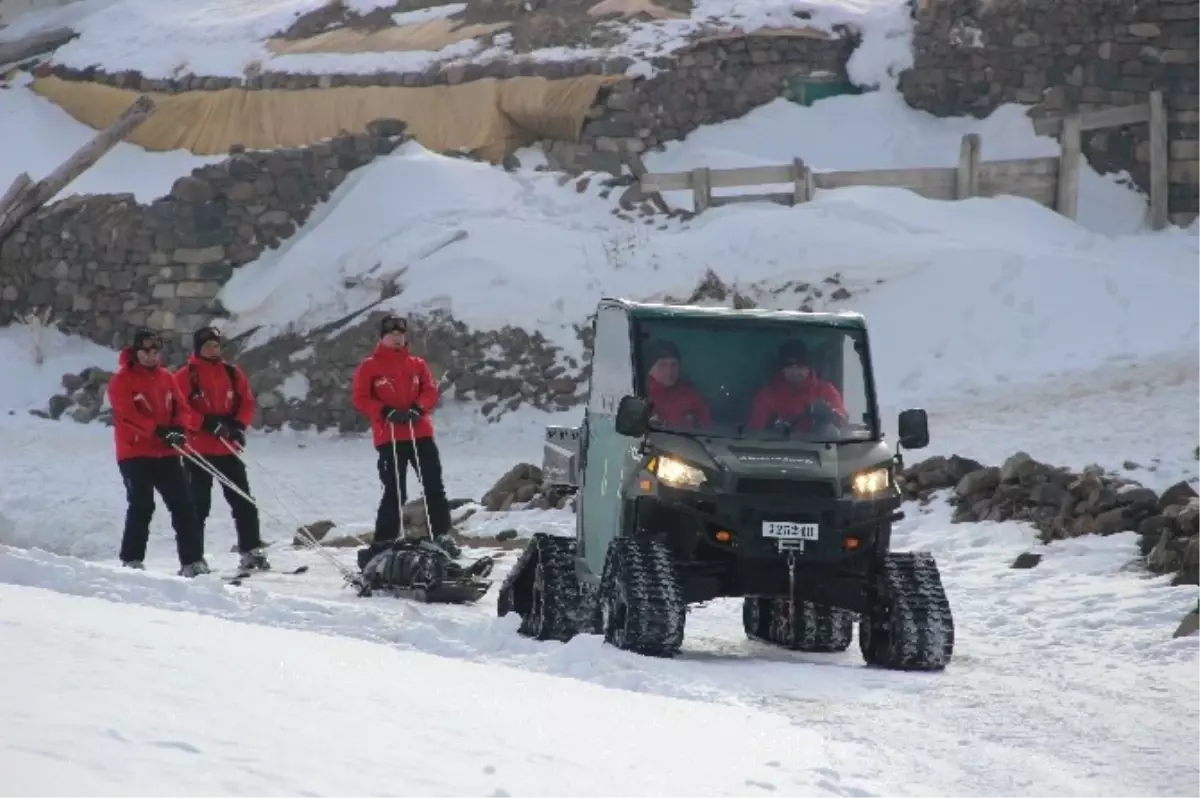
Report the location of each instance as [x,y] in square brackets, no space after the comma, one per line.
[1052,181]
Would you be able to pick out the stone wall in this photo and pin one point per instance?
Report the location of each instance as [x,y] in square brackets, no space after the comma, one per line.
[971,56]
[105,264]
[710,82]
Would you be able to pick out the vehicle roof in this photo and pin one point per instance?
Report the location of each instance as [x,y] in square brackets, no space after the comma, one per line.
[650,310]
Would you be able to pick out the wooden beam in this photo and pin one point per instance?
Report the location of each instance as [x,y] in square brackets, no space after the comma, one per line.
[22,182]
[1159,162]
[780,198]
[1067,199]
[33,197]
[802,182]
[1094,120]
[967,176]
[701,189]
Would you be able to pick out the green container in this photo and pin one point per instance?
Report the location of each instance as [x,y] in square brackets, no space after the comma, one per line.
[807,89]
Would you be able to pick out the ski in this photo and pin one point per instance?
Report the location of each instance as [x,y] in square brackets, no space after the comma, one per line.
[237,578]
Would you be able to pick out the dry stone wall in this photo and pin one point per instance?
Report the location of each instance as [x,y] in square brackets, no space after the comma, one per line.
[971,56]
[103,265]
[711,81]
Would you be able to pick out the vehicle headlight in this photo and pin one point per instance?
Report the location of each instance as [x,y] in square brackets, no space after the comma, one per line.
[872,483]
[676,473]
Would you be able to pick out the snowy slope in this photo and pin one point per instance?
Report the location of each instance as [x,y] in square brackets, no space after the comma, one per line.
[1034,293]
[226,38]
[174,703]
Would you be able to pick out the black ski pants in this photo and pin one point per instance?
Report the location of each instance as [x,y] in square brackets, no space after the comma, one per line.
[245,514]
[423,453]
[143,476]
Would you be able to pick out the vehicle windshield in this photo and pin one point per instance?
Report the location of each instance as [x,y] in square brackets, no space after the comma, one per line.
[754,379]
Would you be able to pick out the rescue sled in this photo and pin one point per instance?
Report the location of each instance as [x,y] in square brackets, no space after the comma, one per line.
[422,571]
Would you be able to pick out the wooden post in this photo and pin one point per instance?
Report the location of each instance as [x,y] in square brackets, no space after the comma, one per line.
[37,195]
[1159,163]
[967,178]
[638,167]
[701,189]
[1067,200]
[18,186]
[802,182]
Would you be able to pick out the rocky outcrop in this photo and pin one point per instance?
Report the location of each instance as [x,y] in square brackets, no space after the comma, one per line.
[83,398]
[1061,504]
[106,264]
[971,56]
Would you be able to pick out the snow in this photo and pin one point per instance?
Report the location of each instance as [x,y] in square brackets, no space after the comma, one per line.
[162,707]
[1036,292]
[294,387]
[227,38]
[35,358]
[39,136]
[1015,328]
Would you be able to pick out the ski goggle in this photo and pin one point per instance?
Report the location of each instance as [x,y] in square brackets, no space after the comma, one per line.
[395,326]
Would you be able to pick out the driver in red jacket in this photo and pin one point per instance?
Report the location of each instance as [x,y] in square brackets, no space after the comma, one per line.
[675,400]
[220,394]
[396,391]
[796,395]
[150,421]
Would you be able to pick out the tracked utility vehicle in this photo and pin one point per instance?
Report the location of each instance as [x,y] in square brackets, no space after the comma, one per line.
[733,453]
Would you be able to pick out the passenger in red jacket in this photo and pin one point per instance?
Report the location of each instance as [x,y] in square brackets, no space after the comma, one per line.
[675,400]
[796,395]
[395,390]
[220,394]
[150,421]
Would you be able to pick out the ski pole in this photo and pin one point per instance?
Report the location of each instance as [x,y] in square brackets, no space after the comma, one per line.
[421,478]
[307,538]
[396,474]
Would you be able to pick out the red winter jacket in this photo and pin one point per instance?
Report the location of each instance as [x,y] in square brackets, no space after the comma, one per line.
[206,386]
[680,405]
[780,399]
[142,399]
[397,379]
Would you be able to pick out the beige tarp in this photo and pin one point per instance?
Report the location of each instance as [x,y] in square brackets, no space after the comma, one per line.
[630,8]
[431,35]
[487,117]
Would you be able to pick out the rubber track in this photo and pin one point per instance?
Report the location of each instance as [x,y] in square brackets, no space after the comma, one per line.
[655,609]
[917,625]
[560,589]
[814,628]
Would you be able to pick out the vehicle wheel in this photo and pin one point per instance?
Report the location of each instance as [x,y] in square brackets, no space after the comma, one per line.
[756,618]
[641,603]
[911,626]
[544,589]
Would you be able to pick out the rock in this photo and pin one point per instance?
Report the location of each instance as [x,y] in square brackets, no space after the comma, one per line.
[1026,560]
[1179,493]
[984,479]
[59,405]
[506,534]
[1189,625]
[316,530]
[72,382]
[523,479]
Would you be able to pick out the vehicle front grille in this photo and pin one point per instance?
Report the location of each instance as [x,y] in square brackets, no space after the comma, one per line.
[794,488]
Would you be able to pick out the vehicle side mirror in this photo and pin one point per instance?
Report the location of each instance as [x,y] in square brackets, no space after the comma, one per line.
[914,428]
[633,416]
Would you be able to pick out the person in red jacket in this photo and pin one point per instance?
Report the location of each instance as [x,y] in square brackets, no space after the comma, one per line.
[675,400]
[150,421]
[796,395]
[220,394]
[395,390]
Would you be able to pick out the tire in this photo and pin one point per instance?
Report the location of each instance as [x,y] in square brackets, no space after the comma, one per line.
[813,627]
[641,602]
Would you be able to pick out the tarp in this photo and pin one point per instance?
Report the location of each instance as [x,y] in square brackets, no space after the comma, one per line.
[430,35]
[489,118]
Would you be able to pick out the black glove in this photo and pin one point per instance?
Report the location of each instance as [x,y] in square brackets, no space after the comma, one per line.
[171,436]
[235,430]
[217,425]
[394,416]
